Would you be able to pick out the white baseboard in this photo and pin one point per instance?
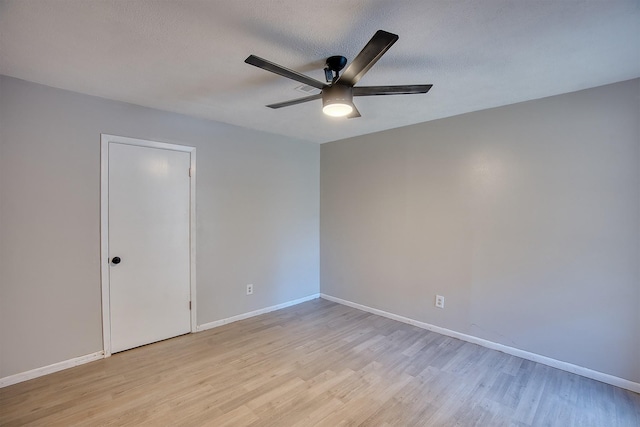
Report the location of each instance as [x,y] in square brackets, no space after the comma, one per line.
[45,370]
[232,319]
[565,366]
[65,364]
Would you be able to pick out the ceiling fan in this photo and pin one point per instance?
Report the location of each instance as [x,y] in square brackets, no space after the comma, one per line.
[337,95]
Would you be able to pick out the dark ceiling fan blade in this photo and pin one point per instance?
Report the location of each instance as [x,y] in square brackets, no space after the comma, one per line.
[377,46]
[355,113]
[295,101]
[390,90]
[284,72]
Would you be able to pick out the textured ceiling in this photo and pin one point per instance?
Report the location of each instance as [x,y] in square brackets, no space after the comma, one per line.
[187,56]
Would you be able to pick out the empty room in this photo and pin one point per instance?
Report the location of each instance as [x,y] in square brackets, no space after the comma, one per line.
[303,213]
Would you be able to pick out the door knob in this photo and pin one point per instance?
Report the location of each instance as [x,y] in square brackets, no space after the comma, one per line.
[115,260]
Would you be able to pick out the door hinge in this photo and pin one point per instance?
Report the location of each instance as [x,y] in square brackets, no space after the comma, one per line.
[189,171]
[189,305]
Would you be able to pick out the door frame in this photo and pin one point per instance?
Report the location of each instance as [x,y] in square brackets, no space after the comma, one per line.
[105,139]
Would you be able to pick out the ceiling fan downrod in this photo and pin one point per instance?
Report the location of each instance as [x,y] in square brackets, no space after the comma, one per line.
[333,67]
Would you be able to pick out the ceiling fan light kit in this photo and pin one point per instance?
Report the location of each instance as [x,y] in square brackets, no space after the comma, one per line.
[337,101]
[337,95]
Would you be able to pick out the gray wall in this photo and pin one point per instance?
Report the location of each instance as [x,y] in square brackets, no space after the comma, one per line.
[526,218]
[257,217]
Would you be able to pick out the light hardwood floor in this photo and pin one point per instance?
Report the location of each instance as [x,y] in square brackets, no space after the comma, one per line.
[317,363]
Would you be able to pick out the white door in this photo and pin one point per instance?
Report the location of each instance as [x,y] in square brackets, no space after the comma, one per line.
[148,244]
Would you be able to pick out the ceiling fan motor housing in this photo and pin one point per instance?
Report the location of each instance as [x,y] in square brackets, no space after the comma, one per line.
[337,94]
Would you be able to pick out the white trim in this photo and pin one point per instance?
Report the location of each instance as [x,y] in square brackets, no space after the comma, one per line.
[45,370]
[104,244]
[232,319]
[50,369]
[192,239]
[105,139]
[565,366]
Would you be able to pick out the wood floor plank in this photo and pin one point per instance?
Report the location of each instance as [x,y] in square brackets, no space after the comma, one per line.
[316,364]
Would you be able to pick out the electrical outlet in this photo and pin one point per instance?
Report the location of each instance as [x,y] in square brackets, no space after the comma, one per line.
[439,301]
[249,289]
